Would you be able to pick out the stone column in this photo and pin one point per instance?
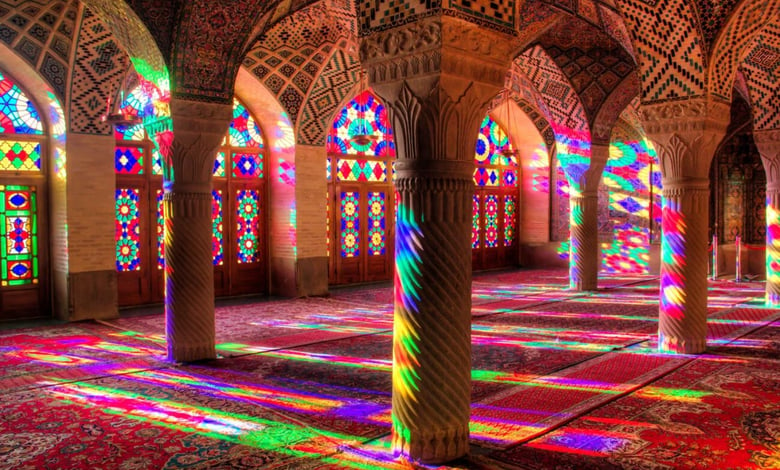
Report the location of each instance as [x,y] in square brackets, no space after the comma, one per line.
[685,135]
[198,129]
[584,252]
[437,77]
[768,143]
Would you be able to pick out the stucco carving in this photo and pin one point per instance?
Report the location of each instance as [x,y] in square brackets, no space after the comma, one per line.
[697,114]
[768,144]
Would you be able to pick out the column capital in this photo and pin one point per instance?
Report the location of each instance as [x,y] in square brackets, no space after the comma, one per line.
[198,129]
[438,45]
[768,144]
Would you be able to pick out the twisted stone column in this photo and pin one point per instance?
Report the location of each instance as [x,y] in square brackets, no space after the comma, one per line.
[584,248]
[685,134]
[768,144]
[437,87]
[584,252]
[432,316]
[189,272]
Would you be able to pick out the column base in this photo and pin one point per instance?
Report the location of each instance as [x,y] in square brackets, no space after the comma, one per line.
[677,345]
[201,352]
[582,285]
[432,447]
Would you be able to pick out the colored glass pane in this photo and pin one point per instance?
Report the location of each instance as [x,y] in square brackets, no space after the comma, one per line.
[376,223]
[362,170]
[491,141]
[486,176]
[219,164]
[364,115]
[491,220]
[244,131]
[475,221]
[510,178]
[510,219]
[19,231]
[247,165]
[157,163]
[160,230]
[127,235]
[217,251]
[248,228]
[350,225]
[328,171]
[129,160]
[18,115]
[20,156]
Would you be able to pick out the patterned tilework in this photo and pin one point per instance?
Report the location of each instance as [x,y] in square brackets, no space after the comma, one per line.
[615,27]
[383,14]
[593,62]
[41,34]
[566,111]
[290,56]
[735,40]
[712,16]
[675,70]
[97,74]
[330,90]
[501,12]
[530,101]
[761,70]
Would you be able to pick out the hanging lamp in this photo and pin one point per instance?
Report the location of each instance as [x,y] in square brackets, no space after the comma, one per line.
[120,118]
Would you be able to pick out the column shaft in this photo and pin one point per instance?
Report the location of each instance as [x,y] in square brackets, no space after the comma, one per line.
[584,252]
[773,246]
[189,275]
[432,319]
[684,259]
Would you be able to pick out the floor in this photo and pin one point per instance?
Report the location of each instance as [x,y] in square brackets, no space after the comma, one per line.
[561,380]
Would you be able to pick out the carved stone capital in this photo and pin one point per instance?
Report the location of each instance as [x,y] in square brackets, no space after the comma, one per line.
[768,144]
[688,155]
[441,44]
[683,116]
[198,130]
[436,117]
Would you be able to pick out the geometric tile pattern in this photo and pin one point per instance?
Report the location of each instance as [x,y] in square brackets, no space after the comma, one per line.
[291,54]
[761,70]
[735,40]
[566,111]
[593,62]
[41,33]
[530,101]
[712,16]
[615,26]
[98,72]
[377,15]
[330,90]
[501,12]
[668,47]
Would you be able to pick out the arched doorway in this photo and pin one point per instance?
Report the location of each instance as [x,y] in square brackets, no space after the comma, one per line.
[495,205]
[361,200]
[23,196]
[238,205]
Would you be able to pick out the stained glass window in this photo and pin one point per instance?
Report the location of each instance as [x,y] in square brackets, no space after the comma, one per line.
[362,170]
[364,115]
[160,230]
[247,165]
[217,251]
[475,221]
[219,164]
[350,225]
[20,156]
[510,211]
[376,223]
[248,216]
[492,140]
[244,131]
[491,220]
[128,242]
[19,232]
[129,160]
[18,115]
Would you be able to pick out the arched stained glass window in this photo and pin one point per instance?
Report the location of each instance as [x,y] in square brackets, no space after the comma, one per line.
[359,170]
[494,218]
[21,138]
